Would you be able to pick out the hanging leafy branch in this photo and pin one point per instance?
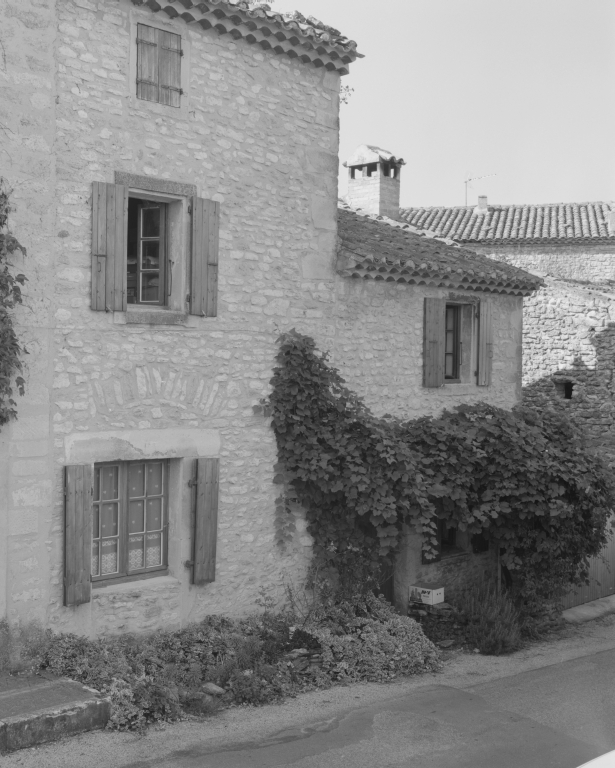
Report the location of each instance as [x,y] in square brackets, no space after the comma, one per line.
[524,480]
[10,295]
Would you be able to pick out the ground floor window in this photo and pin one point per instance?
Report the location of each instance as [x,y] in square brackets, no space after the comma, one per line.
[129,526]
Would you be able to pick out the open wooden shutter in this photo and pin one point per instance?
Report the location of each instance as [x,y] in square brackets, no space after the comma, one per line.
[206,522]
[109,246]
[433,342]
[485,344]
[78,481]
[205,245]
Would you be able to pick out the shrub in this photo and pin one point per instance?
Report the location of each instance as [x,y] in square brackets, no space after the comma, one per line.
[157,677]
[493,621]
[525,480]
[365,639]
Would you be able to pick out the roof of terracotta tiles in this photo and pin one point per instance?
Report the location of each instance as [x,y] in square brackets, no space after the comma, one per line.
[290,34]
[552,223]
[378,248]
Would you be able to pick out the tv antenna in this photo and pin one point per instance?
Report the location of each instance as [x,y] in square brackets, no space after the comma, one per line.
[476,178]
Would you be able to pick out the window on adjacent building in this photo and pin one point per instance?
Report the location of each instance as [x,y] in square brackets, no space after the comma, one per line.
[129,518]
[146,254]
[457,342]
[158,66]
[452,342]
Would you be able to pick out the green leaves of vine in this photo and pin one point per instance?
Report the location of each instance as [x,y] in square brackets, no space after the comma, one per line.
[524,480]
[10,295]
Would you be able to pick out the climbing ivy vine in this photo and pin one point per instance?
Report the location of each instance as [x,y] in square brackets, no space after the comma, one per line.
[525,480]
[10,295]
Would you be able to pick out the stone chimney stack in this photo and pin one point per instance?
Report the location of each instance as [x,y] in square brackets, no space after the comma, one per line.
[374,181]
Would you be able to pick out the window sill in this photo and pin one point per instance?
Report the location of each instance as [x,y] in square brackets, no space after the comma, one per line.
[454,554]
[149,316]
[155,581]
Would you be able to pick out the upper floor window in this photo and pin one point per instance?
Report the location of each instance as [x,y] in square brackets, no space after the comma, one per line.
[452,343]
[457,342]
[146,257]
[144,254]
[158,66]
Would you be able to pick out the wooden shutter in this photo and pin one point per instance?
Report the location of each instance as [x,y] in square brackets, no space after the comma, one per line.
[204,268]
[433,342]
[147,63]
[109,246]
[206,521]
[158,65]
[78,480]
[485,344]
[169,68]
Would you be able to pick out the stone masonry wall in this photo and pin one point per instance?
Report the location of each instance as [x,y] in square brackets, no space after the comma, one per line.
[568,336]
[592,263]
[259,133]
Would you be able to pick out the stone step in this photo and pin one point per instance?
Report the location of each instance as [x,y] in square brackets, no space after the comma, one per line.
[35,710]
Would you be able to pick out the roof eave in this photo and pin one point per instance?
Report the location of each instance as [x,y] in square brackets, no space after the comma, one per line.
[266,29]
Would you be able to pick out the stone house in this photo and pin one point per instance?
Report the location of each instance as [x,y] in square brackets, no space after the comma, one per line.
[174,176]
[569,324]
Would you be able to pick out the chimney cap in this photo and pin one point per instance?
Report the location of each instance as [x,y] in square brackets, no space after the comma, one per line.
[367,153]
[481,206]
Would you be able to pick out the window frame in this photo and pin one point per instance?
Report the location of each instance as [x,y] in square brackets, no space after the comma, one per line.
[457,351]
[124,574]
[165,262]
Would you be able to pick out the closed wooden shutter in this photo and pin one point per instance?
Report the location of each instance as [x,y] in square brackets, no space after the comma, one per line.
[158,65]
[109,246]
[206,521]
[433,342]
[169,68]
[205,246]
[485,344]
[78,481]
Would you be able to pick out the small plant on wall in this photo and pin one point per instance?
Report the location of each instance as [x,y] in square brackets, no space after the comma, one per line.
[11,350]
[524,480]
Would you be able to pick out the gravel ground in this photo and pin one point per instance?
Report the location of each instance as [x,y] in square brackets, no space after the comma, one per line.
[106,749]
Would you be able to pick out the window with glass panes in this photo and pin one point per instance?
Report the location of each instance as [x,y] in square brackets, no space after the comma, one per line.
[129,529]
[146,253]
[452,344]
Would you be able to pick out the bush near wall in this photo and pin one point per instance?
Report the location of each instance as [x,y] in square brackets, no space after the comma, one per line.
[523,479]
[10,295]
[257,660]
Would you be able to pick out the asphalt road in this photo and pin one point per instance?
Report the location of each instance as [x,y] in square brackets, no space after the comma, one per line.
[559,716]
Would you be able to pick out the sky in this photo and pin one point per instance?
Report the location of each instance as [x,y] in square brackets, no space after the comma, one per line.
[521,92]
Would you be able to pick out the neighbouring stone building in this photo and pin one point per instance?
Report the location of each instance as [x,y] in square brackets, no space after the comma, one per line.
[569,324]
[174,176]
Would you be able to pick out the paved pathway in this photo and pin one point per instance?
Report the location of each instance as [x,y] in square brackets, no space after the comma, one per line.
[560,716]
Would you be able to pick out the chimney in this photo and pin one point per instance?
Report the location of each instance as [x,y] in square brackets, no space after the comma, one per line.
[374,181]
[482,205]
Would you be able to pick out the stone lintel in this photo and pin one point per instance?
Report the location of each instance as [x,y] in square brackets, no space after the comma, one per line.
[132,445]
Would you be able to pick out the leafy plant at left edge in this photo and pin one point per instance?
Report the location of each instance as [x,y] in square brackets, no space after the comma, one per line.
[11,350]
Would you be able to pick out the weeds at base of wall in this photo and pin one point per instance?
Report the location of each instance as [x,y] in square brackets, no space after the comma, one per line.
[222,662]
[493,623]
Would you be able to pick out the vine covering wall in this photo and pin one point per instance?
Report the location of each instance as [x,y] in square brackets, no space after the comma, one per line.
[10,295]
[523,479]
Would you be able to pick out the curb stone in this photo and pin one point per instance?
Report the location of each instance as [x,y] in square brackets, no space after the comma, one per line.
[52,723]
